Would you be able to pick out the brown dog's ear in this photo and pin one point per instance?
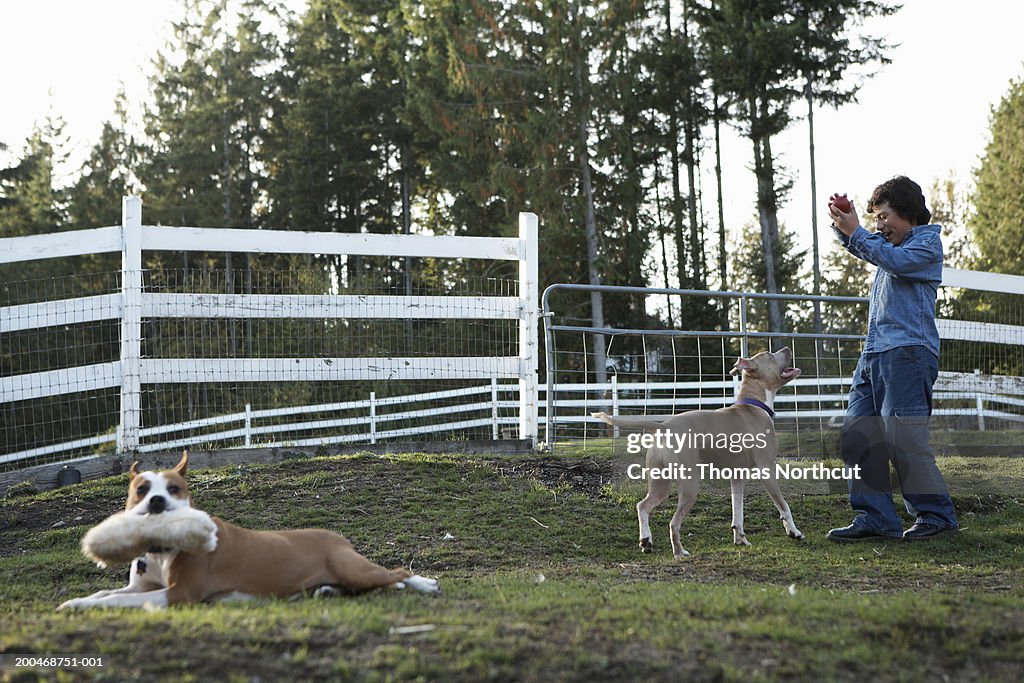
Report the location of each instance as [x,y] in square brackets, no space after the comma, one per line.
[741,365]
[182,465]
[134,469]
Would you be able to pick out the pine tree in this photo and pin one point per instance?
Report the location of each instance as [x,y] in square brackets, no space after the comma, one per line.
[33,203]
[749,274]
[107,175]
[341,151]
[679,96]
[950,204]
[10,177]
[761,55]
[997,227]
[494,97]
[829,48]
[212,96]
[846,275]
[998,222]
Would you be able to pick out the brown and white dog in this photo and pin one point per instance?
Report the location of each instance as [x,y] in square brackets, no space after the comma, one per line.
[742,440]
[245,564]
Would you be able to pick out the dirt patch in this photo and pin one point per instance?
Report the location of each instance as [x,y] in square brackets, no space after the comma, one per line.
[583,475]
[19,522]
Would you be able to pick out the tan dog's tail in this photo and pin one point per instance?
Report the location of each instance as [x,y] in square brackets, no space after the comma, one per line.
[644,425]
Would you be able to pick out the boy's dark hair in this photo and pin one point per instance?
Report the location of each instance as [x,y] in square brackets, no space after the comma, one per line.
[903,196]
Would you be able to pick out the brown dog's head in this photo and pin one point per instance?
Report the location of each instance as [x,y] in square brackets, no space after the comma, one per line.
[157,492]
[772,369]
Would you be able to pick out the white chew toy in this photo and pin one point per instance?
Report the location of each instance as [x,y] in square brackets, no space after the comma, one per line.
[124,536]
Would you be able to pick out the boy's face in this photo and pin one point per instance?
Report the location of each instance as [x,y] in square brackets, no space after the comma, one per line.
[894,228]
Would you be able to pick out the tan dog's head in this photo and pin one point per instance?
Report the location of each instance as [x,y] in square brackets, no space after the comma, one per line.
[771,369]
[157,492]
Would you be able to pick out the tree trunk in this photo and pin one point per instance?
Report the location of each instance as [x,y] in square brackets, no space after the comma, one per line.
[696,250]
[661,238]
[698,279]
[677,192]
[723,271]
[590,223]
[767,214]
[814,212]
[407,229]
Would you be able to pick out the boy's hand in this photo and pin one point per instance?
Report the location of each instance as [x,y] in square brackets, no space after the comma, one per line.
[844,222]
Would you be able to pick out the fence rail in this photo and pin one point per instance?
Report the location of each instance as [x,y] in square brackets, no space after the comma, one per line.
[642,400]
[658,400]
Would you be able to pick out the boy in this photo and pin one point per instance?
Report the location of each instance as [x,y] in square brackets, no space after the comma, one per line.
[891,397]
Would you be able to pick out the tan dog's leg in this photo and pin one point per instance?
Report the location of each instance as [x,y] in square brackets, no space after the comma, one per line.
[772,487]
[739,537]
[657,492]
[687,497]
[358,574]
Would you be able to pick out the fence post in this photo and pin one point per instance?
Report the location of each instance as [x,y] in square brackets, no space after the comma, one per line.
[979,405]
[744,350]
[615,402]
[494,408]
[373,417]
[248,425]
[131,325]
[528,356]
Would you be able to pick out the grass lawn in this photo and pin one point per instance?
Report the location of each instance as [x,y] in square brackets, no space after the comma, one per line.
[542,581]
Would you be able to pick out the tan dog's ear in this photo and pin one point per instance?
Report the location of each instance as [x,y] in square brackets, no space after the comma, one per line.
[134,469]
[741,365]
[182,465]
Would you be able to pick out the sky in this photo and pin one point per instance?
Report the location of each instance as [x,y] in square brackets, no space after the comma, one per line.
[925,115]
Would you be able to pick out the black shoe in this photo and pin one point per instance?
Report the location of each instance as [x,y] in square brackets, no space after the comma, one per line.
[922,532]
[849,534]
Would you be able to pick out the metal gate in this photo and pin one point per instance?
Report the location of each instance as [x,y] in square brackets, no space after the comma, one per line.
[659,370]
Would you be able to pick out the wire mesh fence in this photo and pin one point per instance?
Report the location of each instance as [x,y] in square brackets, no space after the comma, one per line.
[306,412]
[659,371]
[49,343]
[319,339]
[287,410]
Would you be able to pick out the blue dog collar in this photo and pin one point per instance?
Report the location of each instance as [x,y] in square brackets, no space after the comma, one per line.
[755,402]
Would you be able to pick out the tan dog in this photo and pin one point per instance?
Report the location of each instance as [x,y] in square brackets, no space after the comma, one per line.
[244,563]
[700,444]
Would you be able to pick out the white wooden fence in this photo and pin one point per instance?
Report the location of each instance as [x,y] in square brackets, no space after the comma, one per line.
[133,304]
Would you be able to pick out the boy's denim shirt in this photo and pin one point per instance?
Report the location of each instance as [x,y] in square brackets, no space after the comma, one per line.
[902,310]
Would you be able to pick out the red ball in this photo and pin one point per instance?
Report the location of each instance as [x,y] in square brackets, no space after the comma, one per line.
[840,202]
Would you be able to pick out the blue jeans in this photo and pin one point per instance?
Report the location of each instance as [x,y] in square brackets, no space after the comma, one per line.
[887,421]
